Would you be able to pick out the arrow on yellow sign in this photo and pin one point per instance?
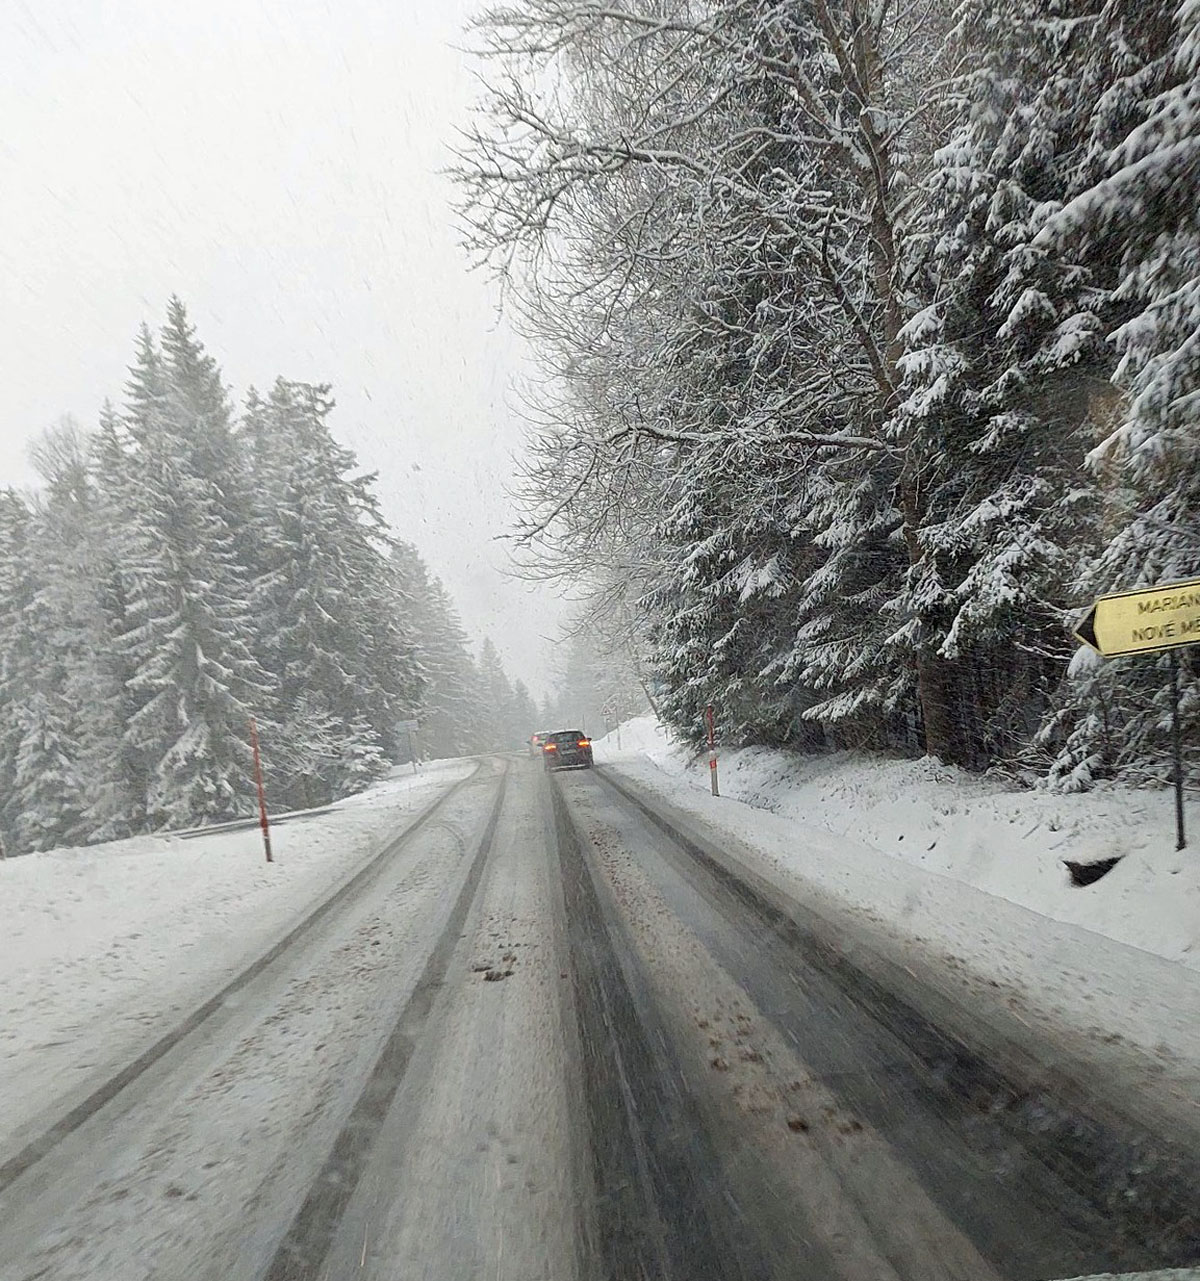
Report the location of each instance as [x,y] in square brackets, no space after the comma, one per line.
[1143,622]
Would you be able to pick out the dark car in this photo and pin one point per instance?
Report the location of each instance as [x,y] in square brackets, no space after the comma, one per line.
[567,749]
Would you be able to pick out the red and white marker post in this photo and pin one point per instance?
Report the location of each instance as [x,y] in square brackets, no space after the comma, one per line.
[712,750]
[262,796]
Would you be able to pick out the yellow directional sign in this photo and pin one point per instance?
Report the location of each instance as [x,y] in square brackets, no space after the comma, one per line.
[1145,621]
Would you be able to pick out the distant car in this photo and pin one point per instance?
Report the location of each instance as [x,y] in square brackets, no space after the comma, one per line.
[567,749]
[536,741]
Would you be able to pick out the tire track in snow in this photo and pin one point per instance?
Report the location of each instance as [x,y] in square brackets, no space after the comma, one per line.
[1086,1190]
[301,1253]
[661,1207]
[45,1143]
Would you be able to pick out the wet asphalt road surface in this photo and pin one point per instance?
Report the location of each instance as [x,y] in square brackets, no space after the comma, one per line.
[556,1039]
[894,1148]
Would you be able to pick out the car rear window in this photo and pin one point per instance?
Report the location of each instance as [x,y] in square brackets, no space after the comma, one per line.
[568,736]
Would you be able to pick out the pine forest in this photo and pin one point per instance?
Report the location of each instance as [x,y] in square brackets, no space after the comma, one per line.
[183,568]
[872,334]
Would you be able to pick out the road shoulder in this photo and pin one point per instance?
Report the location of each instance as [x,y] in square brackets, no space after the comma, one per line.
[1115,1021]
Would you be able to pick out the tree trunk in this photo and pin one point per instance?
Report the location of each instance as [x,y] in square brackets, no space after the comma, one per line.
[937,688]
[937,684]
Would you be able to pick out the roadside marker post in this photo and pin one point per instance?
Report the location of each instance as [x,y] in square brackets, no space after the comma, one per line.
[262,796]
[1177,752]
[612,717]
[1150,621]
[712,750]
[410,728]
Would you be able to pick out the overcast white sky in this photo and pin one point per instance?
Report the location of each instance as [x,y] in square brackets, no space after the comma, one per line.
[275,163]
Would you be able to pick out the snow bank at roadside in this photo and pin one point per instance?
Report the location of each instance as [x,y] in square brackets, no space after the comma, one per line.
[105,944]
[991,836]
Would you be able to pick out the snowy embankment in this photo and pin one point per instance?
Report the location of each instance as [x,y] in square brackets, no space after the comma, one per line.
[1006,842]
[969,872]
[105,946]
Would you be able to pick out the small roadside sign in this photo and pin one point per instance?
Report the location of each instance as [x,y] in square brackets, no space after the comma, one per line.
[1150,621]
[1143,622]
[712,749]
[409,730]
[263,821]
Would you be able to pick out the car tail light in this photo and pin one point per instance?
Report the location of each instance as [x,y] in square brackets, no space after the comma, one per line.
[551,747]
[585,742]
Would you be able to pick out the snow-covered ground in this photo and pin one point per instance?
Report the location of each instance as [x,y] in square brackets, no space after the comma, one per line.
[961,878]
[989,835]
[105,946]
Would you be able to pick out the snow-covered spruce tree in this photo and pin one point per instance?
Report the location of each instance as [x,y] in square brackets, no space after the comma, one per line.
[498,726]
[189,635]
[447,711]
[1005,368]
[47,787]
[548,713]
[751,611]
[44,693]
[50,702]
[1138,214]
[324,601]
[115,772]
[597,682]
[391,668]
[726,606]
[615,665]
[82,699]
[854,559]
[524,713]
[19,647]
[452,676]
[578,699]
[198,405]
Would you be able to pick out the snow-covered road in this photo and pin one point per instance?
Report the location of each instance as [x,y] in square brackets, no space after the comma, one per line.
[551,1035]
[107,948]
[195,1167]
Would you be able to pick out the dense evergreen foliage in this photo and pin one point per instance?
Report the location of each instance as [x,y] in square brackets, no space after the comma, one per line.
[184,568]
[872,332]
